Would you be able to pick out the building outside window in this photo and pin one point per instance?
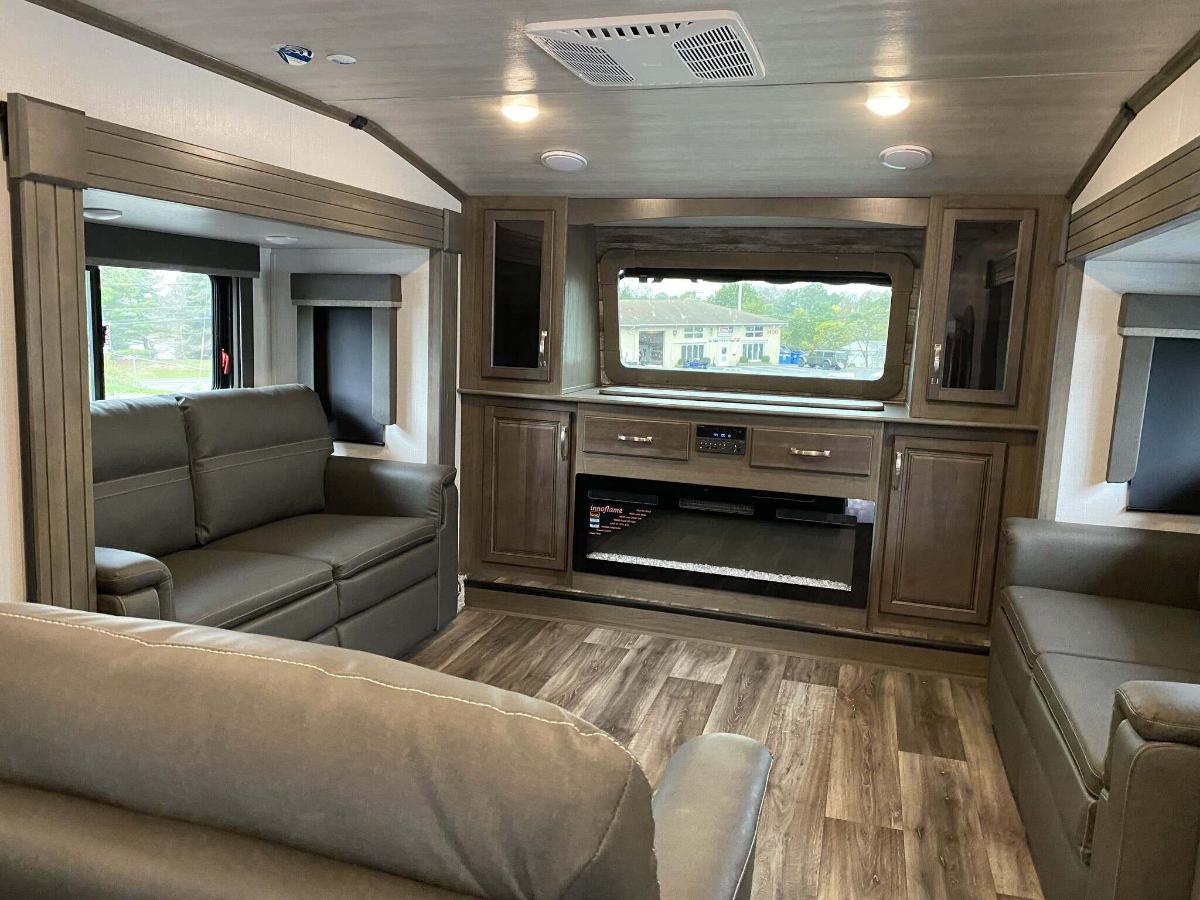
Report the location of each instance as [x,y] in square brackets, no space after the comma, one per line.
[693,333]
[691,352]
[754,351]
[754,331]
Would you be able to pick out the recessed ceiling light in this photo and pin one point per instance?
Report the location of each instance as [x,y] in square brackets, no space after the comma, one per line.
[294,54]
[280,239]
[101,214]
[906,156]
[564,161]
[341,59]
[521,107]
[887,99]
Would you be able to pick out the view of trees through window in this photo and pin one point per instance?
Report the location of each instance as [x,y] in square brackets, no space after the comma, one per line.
[805,328]
[158,331]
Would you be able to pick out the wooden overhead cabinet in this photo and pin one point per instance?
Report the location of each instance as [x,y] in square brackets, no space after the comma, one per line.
[980,301]
[526,486]
[942,525]
[518,284]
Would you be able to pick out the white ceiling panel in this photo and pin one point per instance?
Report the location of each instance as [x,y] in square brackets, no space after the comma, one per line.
[1011,95]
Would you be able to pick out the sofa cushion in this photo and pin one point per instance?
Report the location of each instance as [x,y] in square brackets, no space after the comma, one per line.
[225,588]
[347,544]
[1047,621]
[141,482]
[1079,690]
[258,455]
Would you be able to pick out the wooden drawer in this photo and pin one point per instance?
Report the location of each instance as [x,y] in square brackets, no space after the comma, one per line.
[811,451]
[636,437]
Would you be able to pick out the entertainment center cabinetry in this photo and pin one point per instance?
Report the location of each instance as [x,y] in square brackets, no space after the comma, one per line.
[574,490]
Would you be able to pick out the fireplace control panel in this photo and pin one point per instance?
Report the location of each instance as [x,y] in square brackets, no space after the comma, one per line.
[727,439]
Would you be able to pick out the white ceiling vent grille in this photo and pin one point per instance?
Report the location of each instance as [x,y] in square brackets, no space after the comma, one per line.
[653,51]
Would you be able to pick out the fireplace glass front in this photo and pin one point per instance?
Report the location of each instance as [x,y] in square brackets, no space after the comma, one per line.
[795,546]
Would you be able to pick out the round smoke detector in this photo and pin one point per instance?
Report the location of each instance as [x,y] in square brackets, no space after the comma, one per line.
[564,161]
[906,156]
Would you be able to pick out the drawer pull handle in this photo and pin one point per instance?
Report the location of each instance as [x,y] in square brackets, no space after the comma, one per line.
[636,439]
[542,335]
[796,451]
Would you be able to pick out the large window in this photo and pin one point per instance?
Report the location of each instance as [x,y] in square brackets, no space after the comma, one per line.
[159,331]
[769,322]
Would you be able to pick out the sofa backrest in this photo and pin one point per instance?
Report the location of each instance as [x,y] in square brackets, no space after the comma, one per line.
[258,455]
[346,756]
[142,484]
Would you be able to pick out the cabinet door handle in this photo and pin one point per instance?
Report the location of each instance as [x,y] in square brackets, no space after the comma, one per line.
[562,442]
[636,439]
[796,451]
[542,335]
[937,365]
[897,470]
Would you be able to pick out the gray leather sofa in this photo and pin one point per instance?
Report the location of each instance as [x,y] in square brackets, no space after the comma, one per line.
[226,508]
[1095,698]
[154,760]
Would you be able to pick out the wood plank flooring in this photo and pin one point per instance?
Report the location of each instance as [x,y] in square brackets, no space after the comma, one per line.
[887,783]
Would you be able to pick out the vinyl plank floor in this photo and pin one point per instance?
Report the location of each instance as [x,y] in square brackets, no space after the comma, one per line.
[944,853]
[864,779]
[748,696]
[677,714]
[885,783]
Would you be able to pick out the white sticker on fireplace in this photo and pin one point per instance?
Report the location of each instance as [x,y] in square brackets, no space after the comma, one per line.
[728,571]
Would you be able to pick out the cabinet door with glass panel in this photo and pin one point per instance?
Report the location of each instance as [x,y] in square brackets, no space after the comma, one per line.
[518,283]
[979,305]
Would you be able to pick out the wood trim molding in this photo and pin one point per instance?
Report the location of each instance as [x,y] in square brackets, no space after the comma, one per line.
[1151,200]
[1183,60]
[46,141]
[910,212]
[52,367]
[137,162]
[89,15]
[443,357]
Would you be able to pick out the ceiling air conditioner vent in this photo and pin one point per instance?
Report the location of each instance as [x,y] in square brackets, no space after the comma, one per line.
[695,48]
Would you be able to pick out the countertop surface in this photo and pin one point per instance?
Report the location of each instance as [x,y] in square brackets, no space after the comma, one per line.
[749,404]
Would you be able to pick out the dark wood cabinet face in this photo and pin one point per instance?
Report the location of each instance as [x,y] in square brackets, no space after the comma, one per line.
[980,305]
[526,487]
[942,525]
[518,285]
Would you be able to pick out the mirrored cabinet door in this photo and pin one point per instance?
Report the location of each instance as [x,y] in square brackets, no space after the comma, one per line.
[517,286]
[980,301]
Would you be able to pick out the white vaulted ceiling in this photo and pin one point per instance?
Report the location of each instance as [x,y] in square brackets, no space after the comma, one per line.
[1012,96]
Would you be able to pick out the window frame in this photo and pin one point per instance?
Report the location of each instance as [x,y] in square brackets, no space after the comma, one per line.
[230,326]
[897,267]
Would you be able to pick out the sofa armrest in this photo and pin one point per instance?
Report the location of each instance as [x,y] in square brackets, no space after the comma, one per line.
[706,813]
[1160,710]
[385,487]
[133,584]
[1130,563]
[1148,817]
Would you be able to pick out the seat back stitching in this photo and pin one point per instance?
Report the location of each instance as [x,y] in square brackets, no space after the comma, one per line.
[316,668]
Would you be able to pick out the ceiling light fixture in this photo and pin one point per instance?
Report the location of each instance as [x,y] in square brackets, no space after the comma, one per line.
[887,99]
[906,156]
[564,161]
[280,239]
[101,214]
[521,107]
[341,59]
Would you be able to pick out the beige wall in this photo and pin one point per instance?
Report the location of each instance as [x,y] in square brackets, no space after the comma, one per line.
[1169,122]
[58,59]
[406,440]
[1083,494]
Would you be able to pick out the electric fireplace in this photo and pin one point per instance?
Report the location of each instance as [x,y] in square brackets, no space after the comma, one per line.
[796,546]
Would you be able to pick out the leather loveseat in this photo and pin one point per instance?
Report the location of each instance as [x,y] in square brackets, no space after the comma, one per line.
[152,759]
[1094,691]
[226,508]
